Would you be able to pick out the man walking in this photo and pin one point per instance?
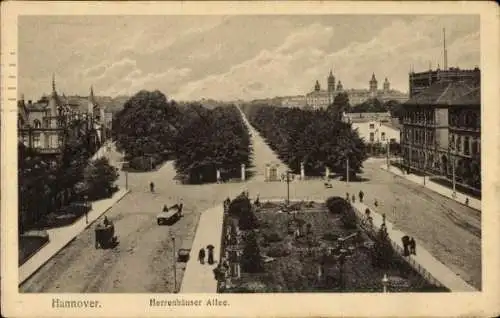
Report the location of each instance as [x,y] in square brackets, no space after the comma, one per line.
[152,187]
[361,195]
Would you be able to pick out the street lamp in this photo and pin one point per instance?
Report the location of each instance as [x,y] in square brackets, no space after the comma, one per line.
[385,282]
[86,198]
[288,186]
[174,267]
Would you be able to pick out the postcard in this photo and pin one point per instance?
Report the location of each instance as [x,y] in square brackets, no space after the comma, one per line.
[250,159]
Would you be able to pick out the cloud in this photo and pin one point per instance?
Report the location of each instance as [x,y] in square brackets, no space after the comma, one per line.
[245,57]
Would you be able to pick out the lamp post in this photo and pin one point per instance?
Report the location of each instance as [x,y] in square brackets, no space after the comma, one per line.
[385,282]
[287,187]
[86,198]
[174,268]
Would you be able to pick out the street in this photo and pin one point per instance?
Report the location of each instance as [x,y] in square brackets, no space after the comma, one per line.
[143,260]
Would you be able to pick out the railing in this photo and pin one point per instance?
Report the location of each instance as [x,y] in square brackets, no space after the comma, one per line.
[48,150]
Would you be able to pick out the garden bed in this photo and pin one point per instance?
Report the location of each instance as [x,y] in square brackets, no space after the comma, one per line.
[30,243]
[294,262]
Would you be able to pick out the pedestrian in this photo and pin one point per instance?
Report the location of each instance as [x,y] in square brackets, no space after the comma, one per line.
[413,247]
[367,212]
[353,198]
[201,256]
[210,249]
[383,218]
[361,195]
[347,197]
[375,203]
[165,208]
[467,201]
[406,243]
[152,187]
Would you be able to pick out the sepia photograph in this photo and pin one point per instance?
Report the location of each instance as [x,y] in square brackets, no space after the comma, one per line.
[226,154]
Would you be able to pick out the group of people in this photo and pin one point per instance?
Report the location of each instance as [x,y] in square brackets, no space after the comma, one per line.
[202,254]
[352,198]
[409,245]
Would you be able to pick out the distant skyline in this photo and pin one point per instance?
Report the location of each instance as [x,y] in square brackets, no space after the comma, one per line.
[234,57]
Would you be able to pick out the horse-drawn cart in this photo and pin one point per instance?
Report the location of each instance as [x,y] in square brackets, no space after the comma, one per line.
[105,235]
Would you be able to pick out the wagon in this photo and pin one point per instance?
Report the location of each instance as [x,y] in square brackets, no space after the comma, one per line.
[170,216]
[105,236]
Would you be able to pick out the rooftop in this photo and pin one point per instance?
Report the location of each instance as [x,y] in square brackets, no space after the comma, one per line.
[445,93]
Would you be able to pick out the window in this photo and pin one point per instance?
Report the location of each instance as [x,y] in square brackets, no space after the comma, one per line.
[466,146]
[372,126]
[37,123]
[372,137]
[459,144]
[36,140]
[60,140]
[383,136]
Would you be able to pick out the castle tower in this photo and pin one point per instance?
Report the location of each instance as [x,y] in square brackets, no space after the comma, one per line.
[373,86]
[331,82]
[340,87]
[387,85]
[317,87]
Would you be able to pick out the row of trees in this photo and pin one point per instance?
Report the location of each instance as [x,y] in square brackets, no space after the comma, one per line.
[316,137]
[374,105]
[200,140]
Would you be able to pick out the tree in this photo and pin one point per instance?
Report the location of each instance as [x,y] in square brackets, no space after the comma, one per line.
[339,106]
[251,260]
[147,124]
[99,178]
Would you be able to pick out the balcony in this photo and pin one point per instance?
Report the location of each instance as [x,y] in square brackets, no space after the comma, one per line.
[48,151]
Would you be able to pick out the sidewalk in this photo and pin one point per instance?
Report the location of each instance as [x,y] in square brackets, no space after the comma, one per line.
[60,237]
[423,261]
[444,191]
[200,278]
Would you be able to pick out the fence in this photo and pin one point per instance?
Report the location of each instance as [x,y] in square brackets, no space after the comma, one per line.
[400,251]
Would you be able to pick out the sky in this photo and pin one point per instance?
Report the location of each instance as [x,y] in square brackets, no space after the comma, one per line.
[234,57]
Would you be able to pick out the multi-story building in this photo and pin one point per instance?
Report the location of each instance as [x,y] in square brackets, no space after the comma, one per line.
[441,130]
[294,101]
[319,98]
[43,125]
[377,132]
[419,82]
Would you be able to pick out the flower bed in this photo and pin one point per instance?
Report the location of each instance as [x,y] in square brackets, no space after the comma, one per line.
[295,246]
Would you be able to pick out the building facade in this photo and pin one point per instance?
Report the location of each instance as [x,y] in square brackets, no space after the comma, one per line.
[374,132]
[419,82]
[44,125]
[441,131]
[319,98]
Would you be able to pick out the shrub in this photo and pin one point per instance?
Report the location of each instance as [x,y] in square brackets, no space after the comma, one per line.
[337,204]
[99,178]
[349,218]
[239,206]
[251,260]
[272,236]
[279,250]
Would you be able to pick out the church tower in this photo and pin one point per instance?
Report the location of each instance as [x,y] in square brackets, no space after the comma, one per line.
[53,98]
[340,87]
[317,87]
[387,86]
[331,82]
[91,103]
[373,86]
